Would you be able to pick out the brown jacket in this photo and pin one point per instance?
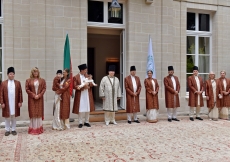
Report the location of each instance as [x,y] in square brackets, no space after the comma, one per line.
[4,98]
[151,100]
[76,83]
[193,97]
[56,83]
[225,102]
[132,102]
[65,102]
[209,93]
[170,96]
[35,106]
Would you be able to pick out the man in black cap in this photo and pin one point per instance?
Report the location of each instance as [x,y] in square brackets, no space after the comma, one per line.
[133,90]
[195,84]
[83,100]
[11,101]
[172,88]
[110,92]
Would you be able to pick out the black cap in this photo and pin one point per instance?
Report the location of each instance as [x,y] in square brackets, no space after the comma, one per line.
[195,68]
[170,68]
[10,70]
[112,67]
[82,67]
[59,71]
[132,68]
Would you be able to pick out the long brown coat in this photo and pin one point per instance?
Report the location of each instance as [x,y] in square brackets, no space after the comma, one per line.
[193,97]
[132,102]
[225,102]
[170,92]
[4,98]
[65,102]
[35,106]
[56,83]
[209,93]
[76,83]
[151,100]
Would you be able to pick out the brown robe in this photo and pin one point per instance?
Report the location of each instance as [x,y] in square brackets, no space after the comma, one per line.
[4,98]
[65,102]
[209,93]
[35,106]
[76,104]
[193,97]
[225,102]
[151,100]
[56,83]
[170,92]
[132,103]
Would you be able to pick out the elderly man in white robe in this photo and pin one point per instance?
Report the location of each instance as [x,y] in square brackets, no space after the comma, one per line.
[110,92]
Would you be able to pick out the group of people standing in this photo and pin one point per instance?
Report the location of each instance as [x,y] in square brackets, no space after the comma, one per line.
[216,92]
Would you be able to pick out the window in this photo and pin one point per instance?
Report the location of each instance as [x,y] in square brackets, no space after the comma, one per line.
[1,44]
[1,57]
[99,13]
[95,11]
[198,49]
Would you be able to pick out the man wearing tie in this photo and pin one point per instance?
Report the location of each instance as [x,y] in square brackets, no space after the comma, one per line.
[195,84]
[133,90]
[11,101]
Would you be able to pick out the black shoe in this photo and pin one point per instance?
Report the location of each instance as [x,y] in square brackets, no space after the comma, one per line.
[80,126]
[175,119]
[71,120]
[199,118]
[129,122]
[191,119]
[7,133]
[87,124]
[14,133]
[136,121]
[170,120]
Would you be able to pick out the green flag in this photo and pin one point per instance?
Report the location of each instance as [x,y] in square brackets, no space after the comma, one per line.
[67,62]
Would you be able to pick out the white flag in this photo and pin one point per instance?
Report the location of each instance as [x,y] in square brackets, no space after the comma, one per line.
[150,60]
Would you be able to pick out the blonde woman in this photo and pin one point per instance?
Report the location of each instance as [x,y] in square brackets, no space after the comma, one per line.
[35,88]
[213,96]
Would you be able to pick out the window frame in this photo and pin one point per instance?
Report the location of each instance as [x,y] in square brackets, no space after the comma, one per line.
[2,34]
[106,24]
[196,33]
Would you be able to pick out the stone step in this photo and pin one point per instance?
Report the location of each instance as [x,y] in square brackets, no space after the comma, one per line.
[98,116]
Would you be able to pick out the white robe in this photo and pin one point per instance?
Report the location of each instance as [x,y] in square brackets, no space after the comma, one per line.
[198,87]
[110,89]
[84,99]
[11,96]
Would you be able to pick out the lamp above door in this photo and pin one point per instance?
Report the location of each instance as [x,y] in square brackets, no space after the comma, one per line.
[114,11]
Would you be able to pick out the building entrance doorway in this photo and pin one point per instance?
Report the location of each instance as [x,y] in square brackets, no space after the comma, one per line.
[104,48]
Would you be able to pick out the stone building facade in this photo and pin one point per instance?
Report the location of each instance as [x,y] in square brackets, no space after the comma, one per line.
[33,34]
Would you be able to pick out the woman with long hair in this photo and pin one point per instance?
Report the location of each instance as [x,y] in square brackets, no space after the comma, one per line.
[65,99]
[152,105]
[35,88]
[56,124]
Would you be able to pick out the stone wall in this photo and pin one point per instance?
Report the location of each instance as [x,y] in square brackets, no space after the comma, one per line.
[35,30]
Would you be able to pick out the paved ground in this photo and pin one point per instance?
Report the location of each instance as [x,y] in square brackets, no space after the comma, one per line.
[203,141]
